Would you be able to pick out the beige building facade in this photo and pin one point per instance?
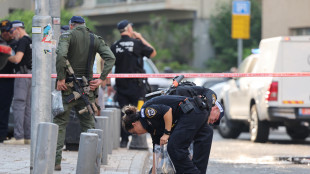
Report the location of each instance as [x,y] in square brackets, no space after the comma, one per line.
[108,12]
[8,6]
[285,18]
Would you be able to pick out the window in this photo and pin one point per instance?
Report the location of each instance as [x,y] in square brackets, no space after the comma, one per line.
[300,31]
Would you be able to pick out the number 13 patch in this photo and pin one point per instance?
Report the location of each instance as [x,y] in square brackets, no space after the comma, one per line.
[150,112]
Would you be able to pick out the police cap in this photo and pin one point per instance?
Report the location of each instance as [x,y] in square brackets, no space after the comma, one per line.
[5,25]
[77,19]
[123,24]
[17,24]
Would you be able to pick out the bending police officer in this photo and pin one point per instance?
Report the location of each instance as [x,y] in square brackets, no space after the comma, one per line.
[79,46]
[179,120]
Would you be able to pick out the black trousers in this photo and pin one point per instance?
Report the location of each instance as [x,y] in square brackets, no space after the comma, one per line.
[191,127]
[6,93]
[126,99]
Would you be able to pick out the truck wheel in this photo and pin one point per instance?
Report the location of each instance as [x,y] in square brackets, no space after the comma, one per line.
[229,129]
[297,133]
[259,130]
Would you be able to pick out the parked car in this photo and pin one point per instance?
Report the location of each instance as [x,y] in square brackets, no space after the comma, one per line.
[256,104]
[150,68]
[207,82]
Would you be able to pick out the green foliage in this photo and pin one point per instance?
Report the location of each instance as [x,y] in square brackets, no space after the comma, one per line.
[26,16]
[173,42]
[226,47]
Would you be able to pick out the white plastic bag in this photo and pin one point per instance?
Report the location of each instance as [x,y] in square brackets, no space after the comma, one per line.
[57,106]
[163,163]
[191,151]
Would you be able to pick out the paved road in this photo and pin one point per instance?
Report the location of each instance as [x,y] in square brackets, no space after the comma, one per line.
[228,156]
[240,156]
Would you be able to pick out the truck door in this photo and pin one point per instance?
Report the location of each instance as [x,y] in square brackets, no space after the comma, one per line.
[294,91]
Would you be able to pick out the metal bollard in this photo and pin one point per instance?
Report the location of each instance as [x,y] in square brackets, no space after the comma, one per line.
[117,127]
[103,124]
[87,153]
[99,132]
[138,142]
[119,118]
[119,121]
[44,159]
[109,113]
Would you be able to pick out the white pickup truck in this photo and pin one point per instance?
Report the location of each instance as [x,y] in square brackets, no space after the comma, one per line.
[256,104]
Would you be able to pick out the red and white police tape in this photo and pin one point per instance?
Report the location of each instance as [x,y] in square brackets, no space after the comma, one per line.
[186,75]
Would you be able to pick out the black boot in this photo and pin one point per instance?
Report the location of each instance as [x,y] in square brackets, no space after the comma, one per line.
[124,144]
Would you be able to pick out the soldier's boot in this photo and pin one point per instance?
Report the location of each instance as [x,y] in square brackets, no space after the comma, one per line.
[58,167]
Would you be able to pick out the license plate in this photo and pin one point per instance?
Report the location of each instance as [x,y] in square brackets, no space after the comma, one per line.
[304,111]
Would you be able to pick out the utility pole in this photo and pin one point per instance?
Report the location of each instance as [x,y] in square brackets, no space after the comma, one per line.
[241,15]
[41,71]
[54,12]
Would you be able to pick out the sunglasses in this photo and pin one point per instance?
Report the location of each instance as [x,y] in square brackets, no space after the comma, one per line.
[12,30]
[3,30]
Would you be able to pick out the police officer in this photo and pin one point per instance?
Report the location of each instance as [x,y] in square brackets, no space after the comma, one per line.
[129,52]
[6,84]
[79,46]
[22,86]
[179,121]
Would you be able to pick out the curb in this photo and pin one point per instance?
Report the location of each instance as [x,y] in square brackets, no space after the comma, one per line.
[136,166]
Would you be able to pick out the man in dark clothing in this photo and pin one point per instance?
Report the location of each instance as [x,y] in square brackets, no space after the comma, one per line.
[22,86]
[6,84]
[129,52]
[180,120]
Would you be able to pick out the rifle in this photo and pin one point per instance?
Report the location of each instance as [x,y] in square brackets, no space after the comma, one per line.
[80,91]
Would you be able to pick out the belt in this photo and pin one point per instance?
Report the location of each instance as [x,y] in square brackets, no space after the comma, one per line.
[70,79]
[186,106]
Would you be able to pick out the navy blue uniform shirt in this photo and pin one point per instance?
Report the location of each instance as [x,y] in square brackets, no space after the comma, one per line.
[153,111]
[129,61]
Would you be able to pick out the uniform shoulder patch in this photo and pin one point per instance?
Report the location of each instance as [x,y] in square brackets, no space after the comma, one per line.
[213,99]
[64,36]
[150,112]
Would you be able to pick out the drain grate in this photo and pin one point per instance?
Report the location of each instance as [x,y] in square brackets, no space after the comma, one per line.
[295,160]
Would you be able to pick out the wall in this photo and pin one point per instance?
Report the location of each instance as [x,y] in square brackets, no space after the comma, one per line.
[279,16]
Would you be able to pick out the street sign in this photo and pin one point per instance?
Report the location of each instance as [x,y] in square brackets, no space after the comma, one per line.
[241,19]
[241,7]
[240,27]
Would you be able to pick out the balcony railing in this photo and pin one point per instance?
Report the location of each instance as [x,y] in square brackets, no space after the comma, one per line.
[123,1]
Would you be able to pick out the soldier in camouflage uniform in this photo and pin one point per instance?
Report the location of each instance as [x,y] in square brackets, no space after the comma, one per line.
[74,46]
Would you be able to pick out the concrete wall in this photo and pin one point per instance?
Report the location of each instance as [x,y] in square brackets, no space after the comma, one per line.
[7,5]
[280,16]
[201,8]
[199,11]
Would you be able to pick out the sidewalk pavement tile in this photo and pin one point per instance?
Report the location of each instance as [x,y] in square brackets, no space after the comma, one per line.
[15,159]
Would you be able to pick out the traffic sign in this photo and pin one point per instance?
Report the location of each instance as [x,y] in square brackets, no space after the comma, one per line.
[241,7]
[241,11]
[241,27]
